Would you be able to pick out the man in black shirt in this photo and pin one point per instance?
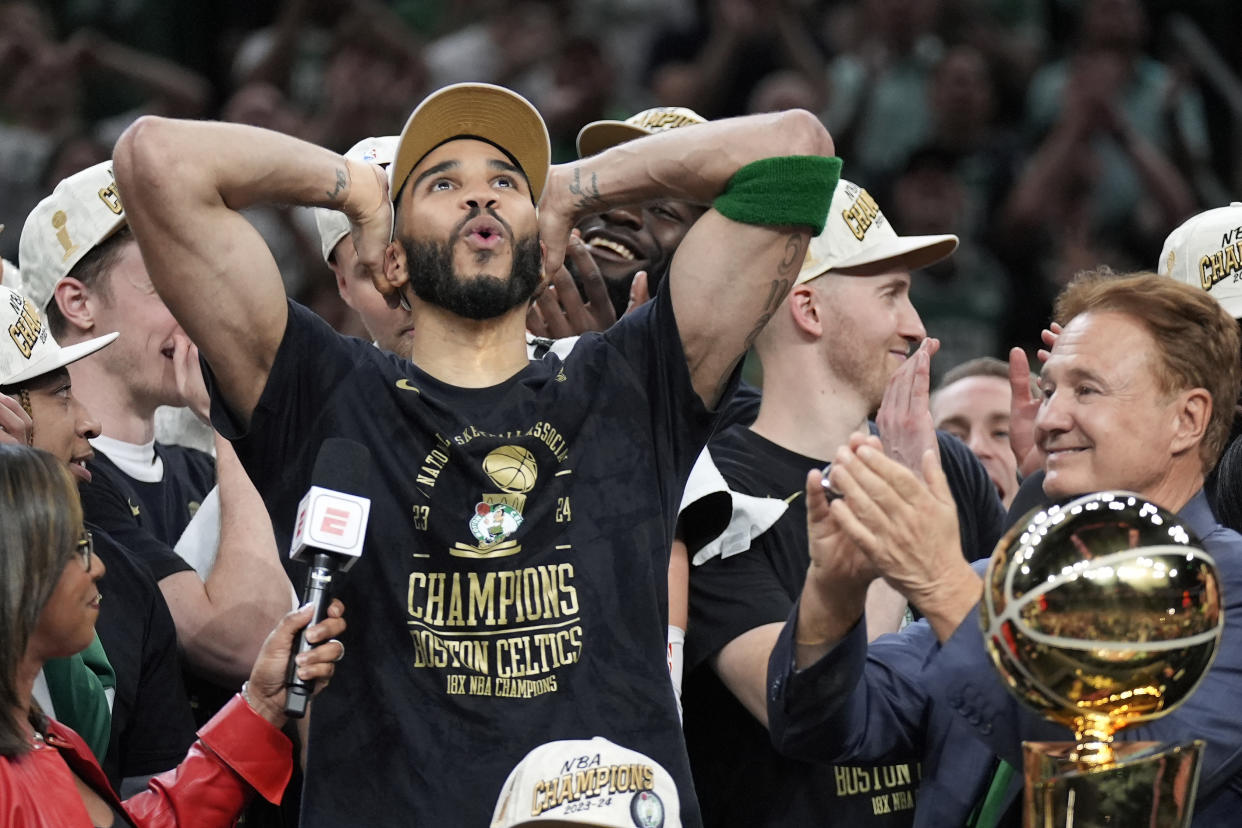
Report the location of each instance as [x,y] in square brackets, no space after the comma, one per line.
[514,587]
[835,350]
[81,265]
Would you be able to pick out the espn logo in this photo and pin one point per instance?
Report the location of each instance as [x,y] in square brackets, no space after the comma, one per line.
[330,521]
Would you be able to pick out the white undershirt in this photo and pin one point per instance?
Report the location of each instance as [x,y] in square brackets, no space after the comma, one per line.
[138,460]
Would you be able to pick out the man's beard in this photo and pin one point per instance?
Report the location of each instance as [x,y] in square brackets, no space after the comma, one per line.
[480,296]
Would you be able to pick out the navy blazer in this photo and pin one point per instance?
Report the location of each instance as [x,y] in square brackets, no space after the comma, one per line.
[907,692]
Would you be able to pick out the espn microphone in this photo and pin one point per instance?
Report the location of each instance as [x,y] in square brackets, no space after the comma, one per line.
[328,535]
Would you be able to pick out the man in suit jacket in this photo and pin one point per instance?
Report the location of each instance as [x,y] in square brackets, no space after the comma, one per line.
[1138,395]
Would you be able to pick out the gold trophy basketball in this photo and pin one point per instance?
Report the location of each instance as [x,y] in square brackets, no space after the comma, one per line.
[1101,613]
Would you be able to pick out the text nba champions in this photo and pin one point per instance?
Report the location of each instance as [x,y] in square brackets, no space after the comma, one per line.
[541,598]
[505,632]
[585,778]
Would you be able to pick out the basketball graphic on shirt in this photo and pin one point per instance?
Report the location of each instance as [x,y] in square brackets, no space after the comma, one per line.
[1102,612]
[512,468]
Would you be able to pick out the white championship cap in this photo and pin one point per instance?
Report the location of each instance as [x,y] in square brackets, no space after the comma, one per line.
[332,224]
[858,234]
[1206,251]
[83,211]
[588,782]
[29,350]
[484,111]
[598,136]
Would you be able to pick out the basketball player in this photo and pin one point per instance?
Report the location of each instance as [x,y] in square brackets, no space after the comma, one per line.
[498,609]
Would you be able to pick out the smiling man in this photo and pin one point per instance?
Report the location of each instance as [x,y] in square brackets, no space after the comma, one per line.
[82,266]
[1138,395]
[845,343]
[514,586]
[626,240]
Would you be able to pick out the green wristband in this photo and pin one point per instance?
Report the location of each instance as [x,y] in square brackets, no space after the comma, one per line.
[790,190]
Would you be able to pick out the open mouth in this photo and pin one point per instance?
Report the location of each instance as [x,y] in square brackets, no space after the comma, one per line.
[94,602]
[616,248]
[77,467]
[483,233]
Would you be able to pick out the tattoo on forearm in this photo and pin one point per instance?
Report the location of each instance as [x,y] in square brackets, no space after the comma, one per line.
[795,255]
[787,270]
[588,199]
[341,181]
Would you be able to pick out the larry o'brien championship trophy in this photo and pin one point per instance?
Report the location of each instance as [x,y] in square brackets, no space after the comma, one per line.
[1101,613]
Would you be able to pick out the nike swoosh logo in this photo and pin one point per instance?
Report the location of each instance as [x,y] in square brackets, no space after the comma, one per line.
[404,385]
[132,507]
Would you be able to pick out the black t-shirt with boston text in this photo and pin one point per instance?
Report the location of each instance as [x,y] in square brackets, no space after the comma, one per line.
[513,585]
[740,778]
[151,723]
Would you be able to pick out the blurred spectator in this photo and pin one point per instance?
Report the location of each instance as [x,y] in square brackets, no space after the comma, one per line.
[1130,112]
[964,299]
[42,99]
[785,89]
[579,90]
[878,106]
[715,66]
[505,42]
[1011,35]
[962,120]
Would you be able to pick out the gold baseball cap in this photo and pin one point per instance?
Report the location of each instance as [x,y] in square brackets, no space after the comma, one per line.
[598,136]
[492,113]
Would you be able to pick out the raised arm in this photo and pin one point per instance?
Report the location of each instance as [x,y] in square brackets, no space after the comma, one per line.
[727,277]
[183,182]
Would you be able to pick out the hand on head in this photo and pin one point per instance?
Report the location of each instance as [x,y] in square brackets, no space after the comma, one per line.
[370,210]
[266,688]
[568,195]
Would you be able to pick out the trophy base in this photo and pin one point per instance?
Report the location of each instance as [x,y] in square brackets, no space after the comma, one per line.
[1149,784]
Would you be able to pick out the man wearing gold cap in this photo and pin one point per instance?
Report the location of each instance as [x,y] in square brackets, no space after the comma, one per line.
[513,590]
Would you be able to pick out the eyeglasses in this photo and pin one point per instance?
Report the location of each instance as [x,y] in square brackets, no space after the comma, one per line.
[86,549]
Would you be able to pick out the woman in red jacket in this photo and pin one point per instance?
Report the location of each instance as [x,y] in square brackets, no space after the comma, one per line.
[49,600]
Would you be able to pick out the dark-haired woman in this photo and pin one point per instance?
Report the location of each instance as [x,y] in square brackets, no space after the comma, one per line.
[48,604]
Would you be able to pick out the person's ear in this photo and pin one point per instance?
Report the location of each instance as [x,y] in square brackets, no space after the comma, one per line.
[77,304]
[803,304]
[395,275]
[1191,418]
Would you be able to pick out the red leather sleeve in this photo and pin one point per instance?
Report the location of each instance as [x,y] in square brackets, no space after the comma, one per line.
[236,752]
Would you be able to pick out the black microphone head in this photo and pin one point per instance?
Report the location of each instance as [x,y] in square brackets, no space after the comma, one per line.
[343,465]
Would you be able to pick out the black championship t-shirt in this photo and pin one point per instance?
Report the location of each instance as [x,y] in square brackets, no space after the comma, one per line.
[741,780]
[148,518]
[151,724]
[513,588]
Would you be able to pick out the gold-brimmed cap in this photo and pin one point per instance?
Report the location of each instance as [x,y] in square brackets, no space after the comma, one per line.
[598,136]
[475,110]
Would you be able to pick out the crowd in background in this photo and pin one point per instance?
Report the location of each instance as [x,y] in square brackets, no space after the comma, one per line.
[1050,135]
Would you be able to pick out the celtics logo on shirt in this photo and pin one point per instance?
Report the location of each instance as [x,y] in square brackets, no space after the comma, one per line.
[498,515]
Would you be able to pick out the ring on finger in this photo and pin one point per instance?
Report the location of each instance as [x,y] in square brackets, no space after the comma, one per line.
[341,644]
